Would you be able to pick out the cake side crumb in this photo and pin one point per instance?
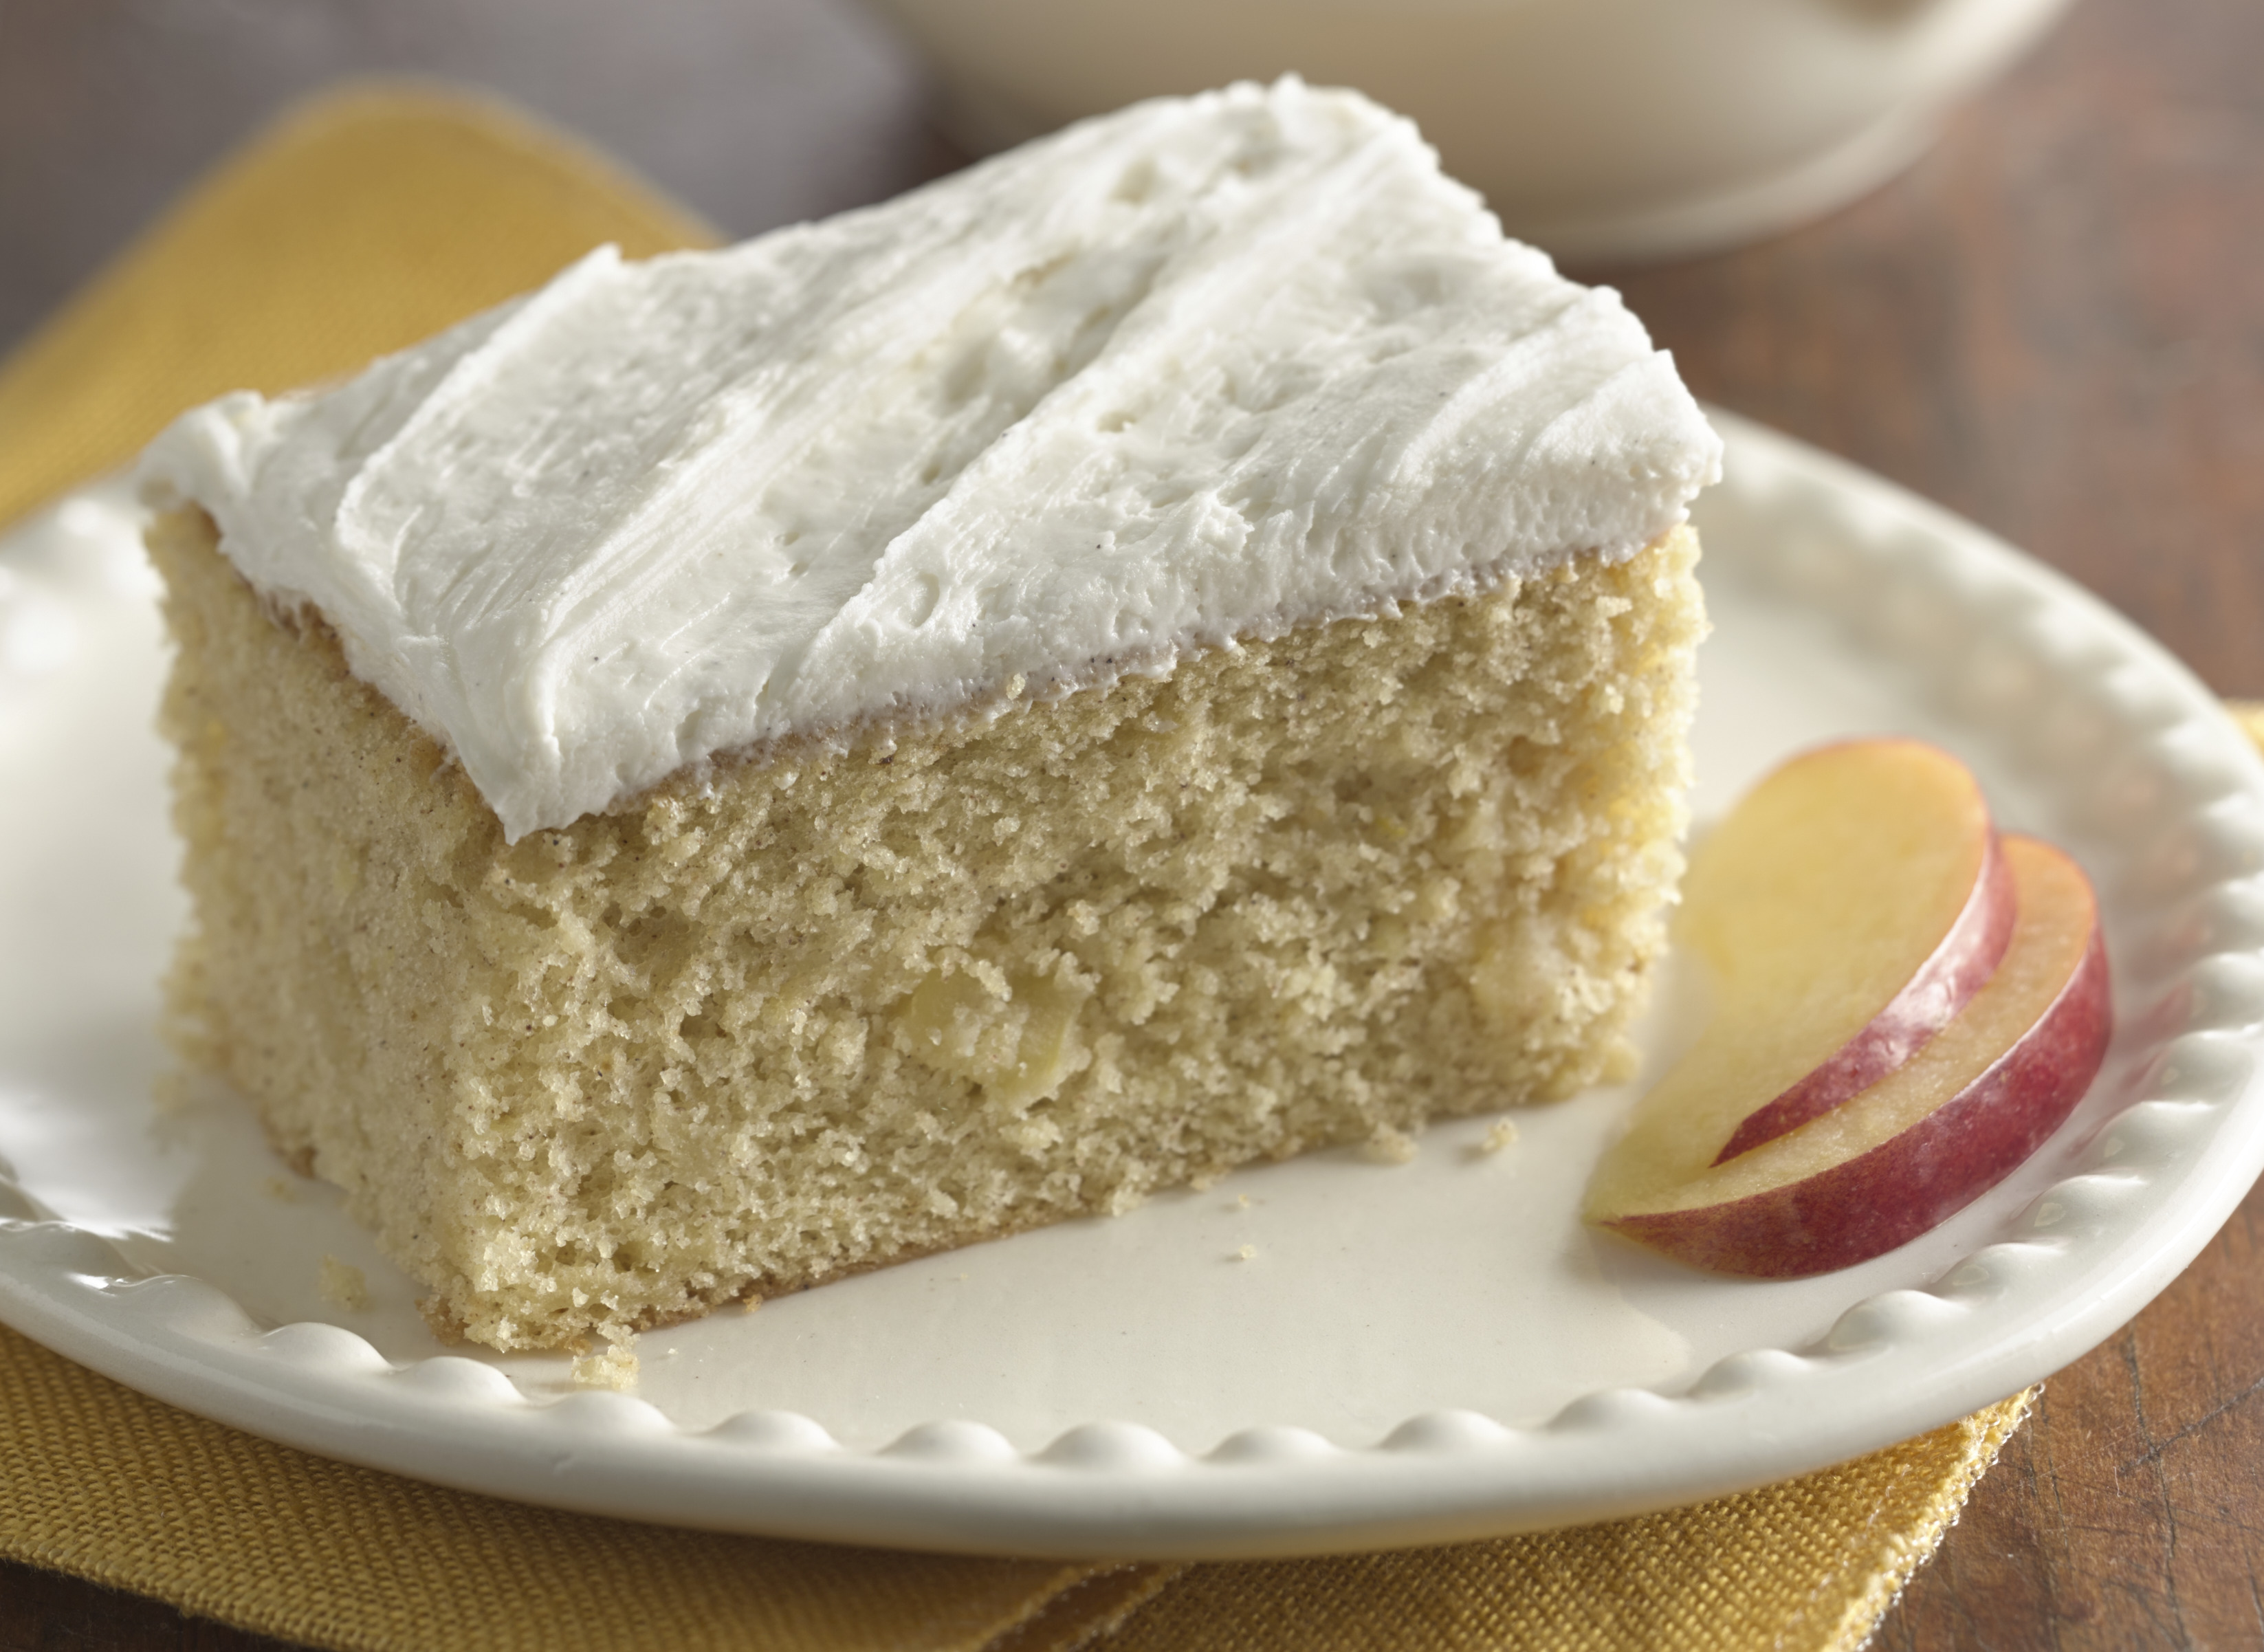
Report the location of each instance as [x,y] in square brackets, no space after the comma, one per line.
[1299,893]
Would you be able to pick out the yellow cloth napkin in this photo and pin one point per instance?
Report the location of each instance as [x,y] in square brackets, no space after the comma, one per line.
[97,1481]
[359,224]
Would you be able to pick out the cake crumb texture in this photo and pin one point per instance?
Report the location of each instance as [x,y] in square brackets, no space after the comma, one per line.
[793,1018]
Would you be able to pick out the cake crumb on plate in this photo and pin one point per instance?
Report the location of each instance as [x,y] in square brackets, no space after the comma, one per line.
[615,1368]
[341,1283]
[1389,1145]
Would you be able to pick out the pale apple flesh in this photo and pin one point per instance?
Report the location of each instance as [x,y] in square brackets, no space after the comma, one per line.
[1912,1149]
[1826,981]
[1960,965]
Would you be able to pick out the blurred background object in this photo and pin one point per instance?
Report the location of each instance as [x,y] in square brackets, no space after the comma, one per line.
[757,112]
[1595,128]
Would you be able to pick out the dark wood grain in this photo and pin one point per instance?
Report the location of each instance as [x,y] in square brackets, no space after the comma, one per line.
[2054,325]
[45,1611]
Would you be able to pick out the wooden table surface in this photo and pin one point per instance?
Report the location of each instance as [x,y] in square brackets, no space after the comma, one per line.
[2054,325]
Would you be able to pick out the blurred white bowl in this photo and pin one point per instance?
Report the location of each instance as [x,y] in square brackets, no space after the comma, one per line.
[1598,129]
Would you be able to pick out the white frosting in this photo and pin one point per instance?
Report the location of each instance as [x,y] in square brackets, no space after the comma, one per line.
[1196,371]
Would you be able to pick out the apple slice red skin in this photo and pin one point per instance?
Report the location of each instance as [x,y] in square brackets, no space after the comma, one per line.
[1928,1001]
[1878,1201]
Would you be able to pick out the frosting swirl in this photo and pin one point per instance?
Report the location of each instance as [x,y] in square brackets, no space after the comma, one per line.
[1200,370]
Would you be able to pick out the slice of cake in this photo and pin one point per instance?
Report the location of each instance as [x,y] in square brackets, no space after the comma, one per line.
[1169,648]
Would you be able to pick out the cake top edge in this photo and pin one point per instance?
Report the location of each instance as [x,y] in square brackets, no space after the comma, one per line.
[1203,369]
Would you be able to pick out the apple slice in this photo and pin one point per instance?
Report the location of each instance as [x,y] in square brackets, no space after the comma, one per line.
[1849,906]
[1921,1144]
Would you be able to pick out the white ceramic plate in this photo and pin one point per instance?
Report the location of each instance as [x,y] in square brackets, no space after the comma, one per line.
[1328,1354]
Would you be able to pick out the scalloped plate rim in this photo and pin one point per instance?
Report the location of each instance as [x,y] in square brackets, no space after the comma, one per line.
[1121,1490]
